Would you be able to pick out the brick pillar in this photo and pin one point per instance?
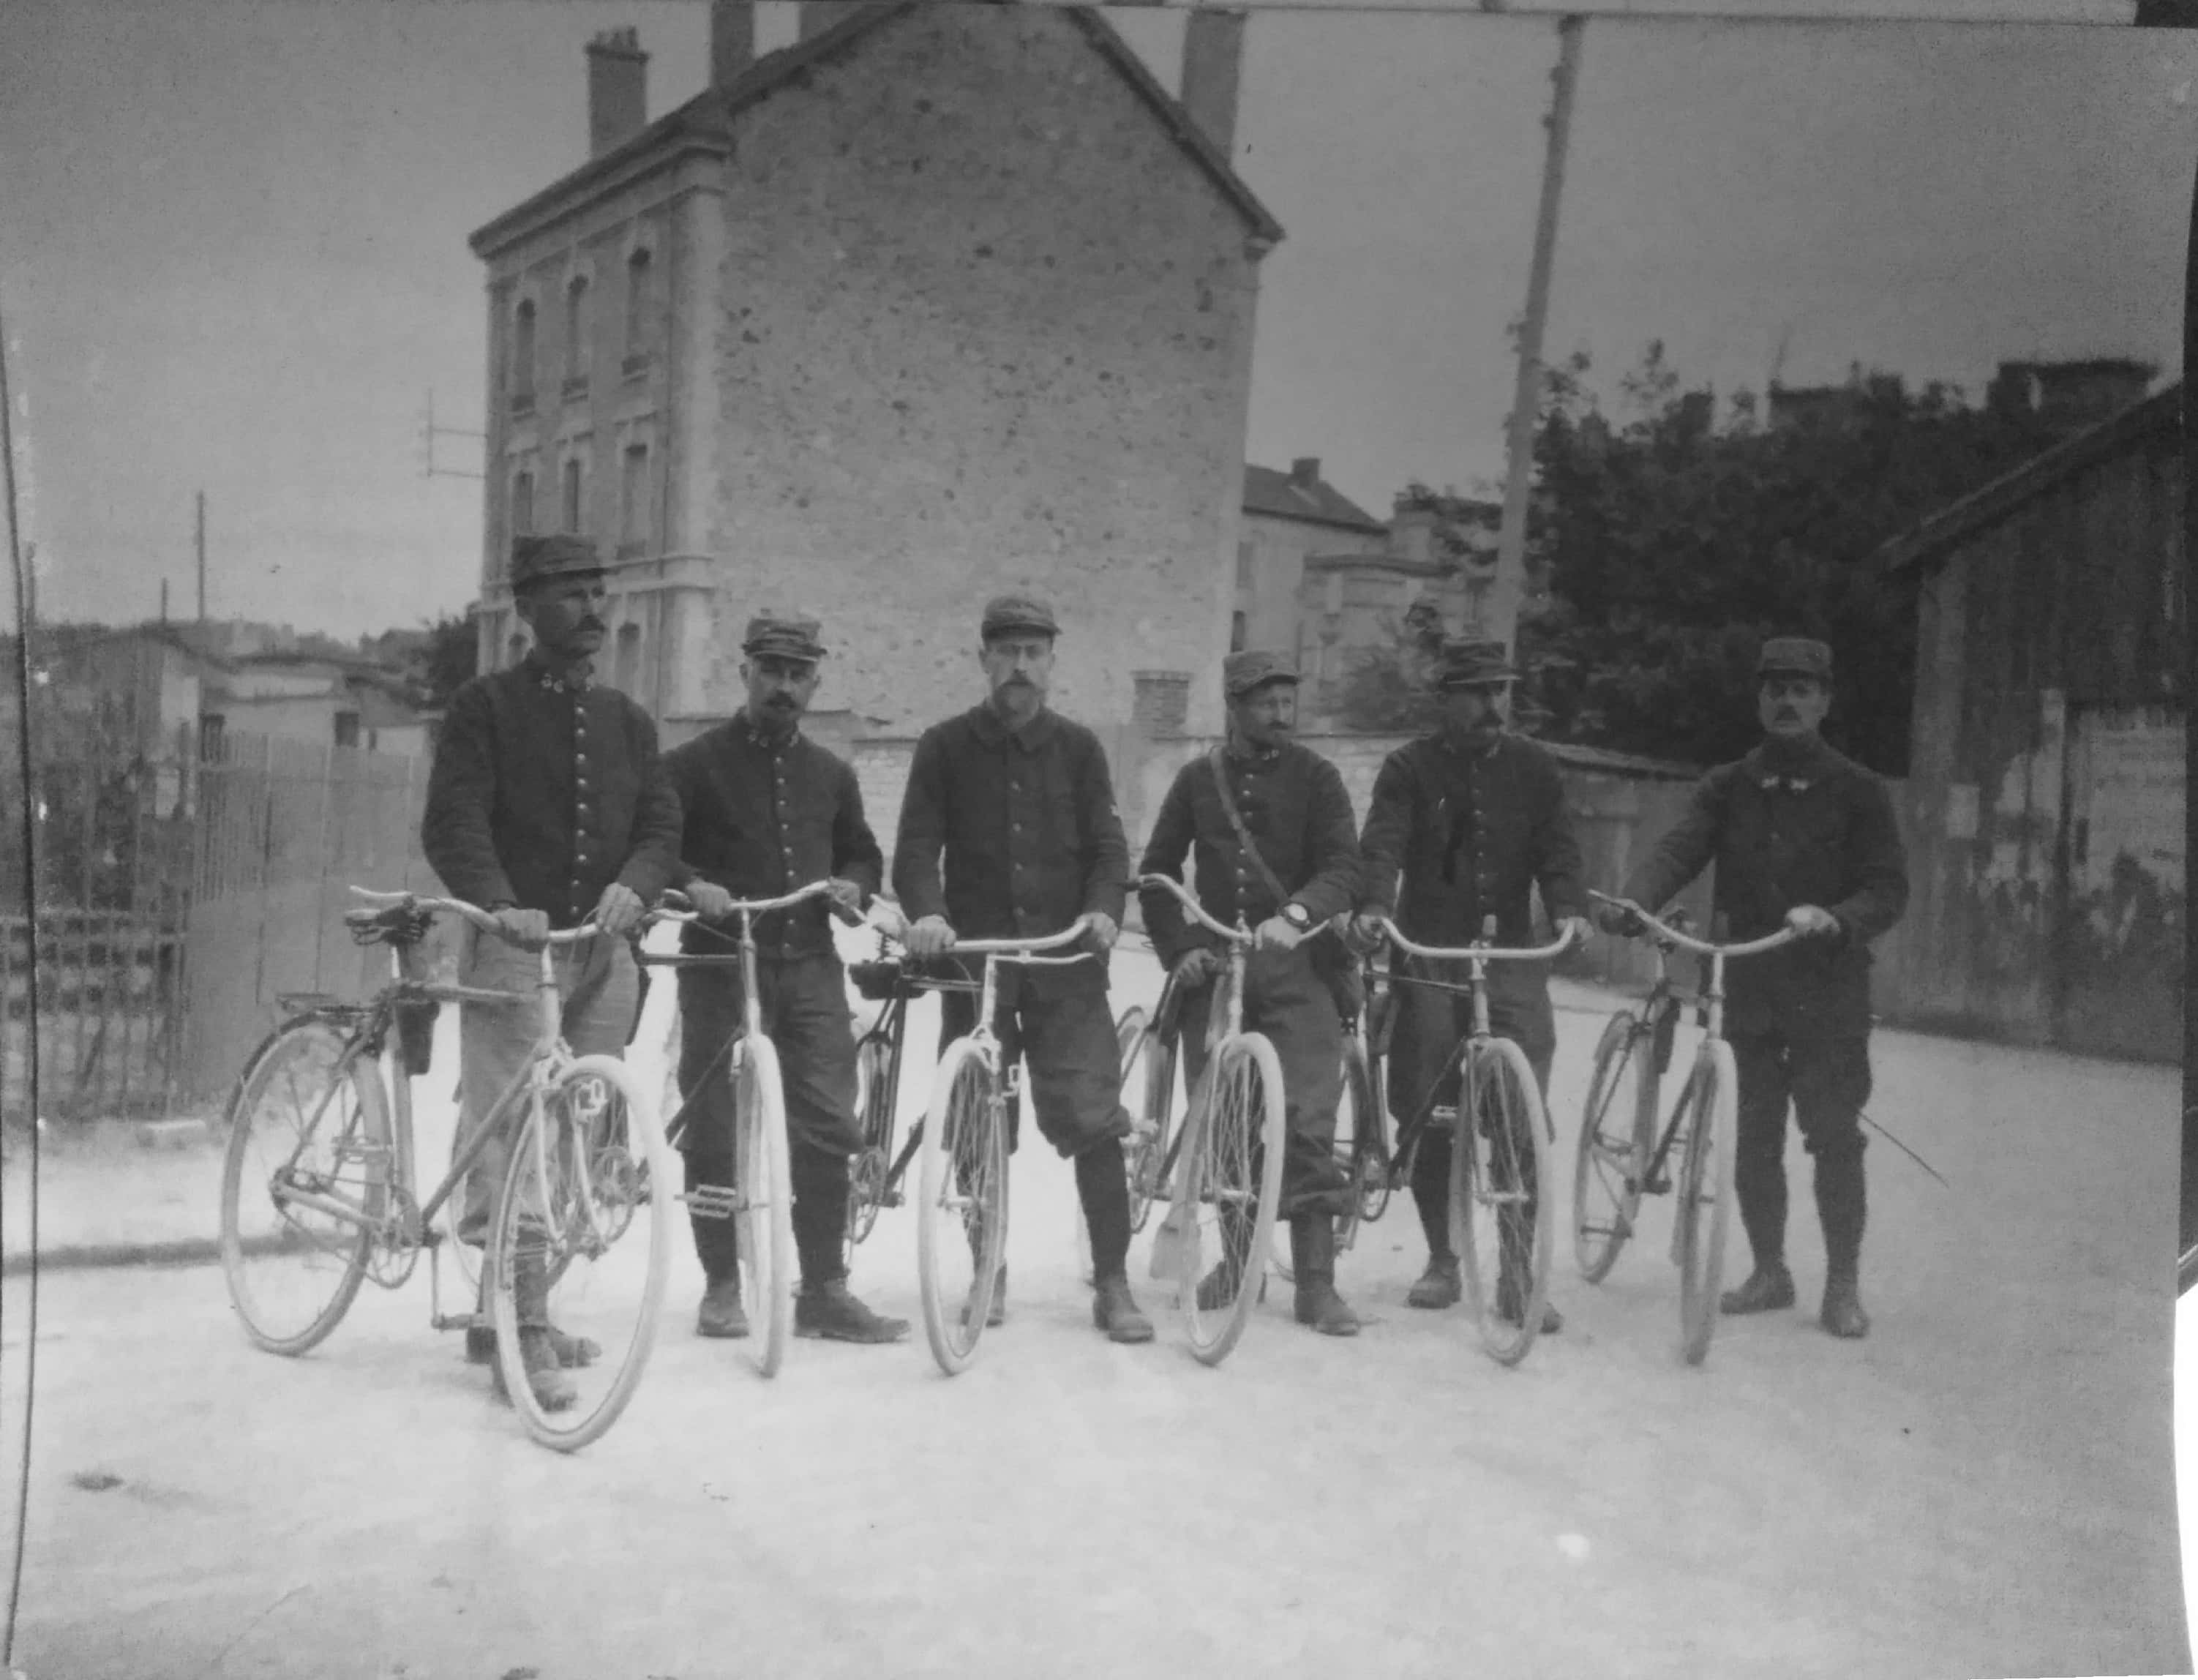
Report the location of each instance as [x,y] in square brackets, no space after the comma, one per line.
[1162,704]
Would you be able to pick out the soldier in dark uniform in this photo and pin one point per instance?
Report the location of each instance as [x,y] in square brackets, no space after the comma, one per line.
[1300,869]
[767,811]
[1019,801]
[547,806]
[1463,824]
[1802,838]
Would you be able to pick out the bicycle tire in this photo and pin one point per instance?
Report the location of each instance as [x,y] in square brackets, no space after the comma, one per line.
[599,1165]
[310,1059]
[763,1199]
[1487,1162]
[1370,1139]
[1705,1194]
[1244,1102]
[1142,1049]
[1617,1136]
[962,1207]
[876,1109]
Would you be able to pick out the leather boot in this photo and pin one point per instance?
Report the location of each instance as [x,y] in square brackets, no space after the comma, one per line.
[722,1314]
[1312,1259]
[1842,1204]
[552,1389]
[831,1311]
[1841,1313]
[996,1313]
[1115,1310]
[1769,1288]
[1439,1286]
[573,1352]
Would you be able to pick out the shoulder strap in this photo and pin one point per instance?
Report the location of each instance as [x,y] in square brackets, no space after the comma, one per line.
[1218,761]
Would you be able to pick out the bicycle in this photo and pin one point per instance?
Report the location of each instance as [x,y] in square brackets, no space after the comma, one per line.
[335,1203]
[1361,1118]
[760,1199]
[1617,1165]
[1230,1140]
[1499,1156]
[962,1202]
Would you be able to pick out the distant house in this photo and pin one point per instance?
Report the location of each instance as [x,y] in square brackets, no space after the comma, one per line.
[940,301]
[1288,518]
[2047,786]
[331,702]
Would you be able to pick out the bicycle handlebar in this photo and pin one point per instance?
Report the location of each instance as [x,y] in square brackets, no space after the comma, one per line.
[665,910]
[473,913]
[1025,949]
[1459,954]
[1664,930]
[1235,935]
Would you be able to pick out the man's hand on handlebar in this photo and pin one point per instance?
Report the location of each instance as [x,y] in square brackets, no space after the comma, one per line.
[846,899]
[1575,928]
[1812,922]
[618,911]
[1101,930]
[1365,934]
[928,935]
[1197,966]
[1276,933]
[1622,920]
[712,902]
[527,929]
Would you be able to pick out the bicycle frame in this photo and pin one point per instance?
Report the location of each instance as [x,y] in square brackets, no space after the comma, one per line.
[1225,1016]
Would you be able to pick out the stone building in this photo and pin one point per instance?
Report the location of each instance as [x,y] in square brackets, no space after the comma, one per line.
[1288,518]
[938,301]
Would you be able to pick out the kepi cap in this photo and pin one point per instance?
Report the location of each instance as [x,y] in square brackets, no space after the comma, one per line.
[1795,656]
[1005,614]
[538,559]
[783,635]
[1254,668]
[1468,664]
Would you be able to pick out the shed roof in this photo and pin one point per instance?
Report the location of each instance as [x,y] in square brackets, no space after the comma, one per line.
[1927,541]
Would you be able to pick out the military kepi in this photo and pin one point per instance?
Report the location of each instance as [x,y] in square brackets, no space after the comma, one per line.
[1468,664]
[1254,668]
[1018,615]
[541,560]
[1795,656]
[786,636]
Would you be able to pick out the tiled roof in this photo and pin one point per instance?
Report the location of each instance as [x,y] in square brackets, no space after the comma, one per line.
[1278,495]
[704,123]
[1924,541]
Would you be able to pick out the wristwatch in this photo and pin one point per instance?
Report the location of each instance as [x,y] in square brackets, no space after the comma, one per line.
[1298,916]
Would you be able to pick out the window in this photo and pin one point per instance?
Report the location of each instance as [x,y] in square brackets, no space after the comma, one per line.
[633,495]
[1236,632]
[1245,550]
[211,730]
[638,273]
[522,352]
[576,328]
[347,729]
[625,668]
[570,506]
[522,504]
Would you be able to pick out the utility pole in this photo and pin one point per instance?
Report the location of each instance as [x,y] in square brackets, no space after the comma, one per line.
[1497,614]
[430,432]
[201,544]
[164,601]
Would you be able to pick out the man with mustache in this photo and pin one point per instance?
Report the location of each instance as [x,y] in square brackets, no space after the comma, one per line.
[1271,828]
[1802,838]
[1463,824]
[547,806]
[1017,803]
[766,811]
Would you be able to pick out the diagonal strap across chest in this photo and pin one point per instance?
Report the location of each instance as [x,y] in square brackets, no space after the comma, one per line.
[1218,761]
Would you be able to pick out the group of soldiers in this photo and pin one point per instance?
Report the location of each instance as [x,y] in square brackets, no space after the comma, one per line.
[550,805]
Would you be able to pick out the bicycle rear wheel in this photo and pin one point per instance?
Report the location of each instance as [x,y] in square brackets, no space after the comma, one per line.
[876,1109]
[1369,1132]
[308,1118]
[763,1198]
[1147,1065]
[1617,1136]
[1505,1224]
[1706,1198]
[961,1206]
[583,1217]
[1230,1177]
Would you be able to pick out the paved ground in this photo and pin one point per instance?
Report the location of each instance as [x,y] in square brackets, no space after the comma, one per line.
[1980,1489]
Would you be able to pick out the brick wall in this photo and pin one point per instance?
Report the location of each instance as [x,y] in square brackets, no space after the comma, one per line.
[983,326]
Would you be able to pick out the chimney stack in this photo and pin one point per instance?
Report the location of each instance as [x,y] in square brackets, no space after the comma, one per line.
[818,15]
[1305,471]
[617,89]
[1212,57]
[732,39]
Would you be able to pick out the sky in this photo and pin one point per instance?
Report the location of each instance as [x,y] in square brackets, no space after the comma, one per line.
[232,246]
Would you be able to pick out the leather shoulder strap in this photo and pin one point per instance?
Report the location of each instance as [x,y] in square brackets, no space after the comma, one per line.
[1218,761]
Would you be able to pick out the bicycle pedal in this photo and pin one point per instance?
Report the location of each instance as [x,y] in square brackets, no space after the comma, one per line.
[890,1199]
[711,1201]
[1442,1119]
[1659,1186]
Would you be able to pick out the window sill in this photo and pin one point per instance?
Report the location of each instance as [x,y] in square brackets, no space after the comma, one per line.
[576,387]
[522,404]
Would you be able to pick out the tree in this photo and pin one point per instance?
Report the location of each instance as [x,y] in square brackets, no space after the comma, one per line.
[450,656]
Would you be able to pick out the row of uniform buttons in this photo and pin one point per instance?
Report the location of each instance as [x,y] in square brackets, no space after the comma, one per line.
[585,800]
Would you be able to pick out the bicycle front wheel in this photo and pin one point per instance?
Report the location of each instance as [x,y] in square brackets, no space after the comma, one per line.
[581,1241]
[763,1198]
[1616,1136]
[1231,1177]
[961,1205]
[304,1183]
[1505,1225]
[1710,1116]
[876,1109]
